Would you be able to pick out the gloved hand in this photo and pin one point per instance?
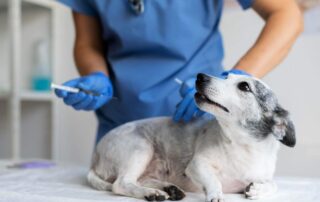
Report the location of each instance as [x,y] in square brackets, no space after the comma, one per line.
[225,74]
[187,108]
[97,83]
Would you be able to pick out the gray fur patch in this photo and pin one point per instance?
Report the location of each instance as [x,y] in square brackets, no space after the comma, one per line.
[265,97]
[275,120]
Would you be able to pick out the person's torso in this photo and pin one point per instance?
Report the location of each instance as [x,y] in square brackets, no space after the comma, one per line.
[146,52]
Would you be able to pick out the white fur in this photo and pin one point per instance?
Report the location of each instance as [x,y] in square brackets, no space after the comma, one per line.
[140,158]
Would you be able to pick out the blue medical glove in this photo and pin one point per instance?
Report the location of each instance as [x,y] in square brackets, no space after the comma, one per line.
[187,108]
[97,83]
[225,74]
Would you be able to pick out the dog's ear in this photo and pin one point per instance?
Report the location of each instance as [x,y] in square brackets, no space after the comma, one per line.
[283,128]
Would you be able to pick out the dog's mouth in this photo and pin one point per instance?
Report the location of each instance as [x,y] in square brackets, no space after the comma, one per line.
[204,98]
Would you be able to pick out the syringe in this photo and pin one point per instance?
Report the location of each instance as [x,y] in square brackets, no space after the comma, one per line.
[77,90]
[74,90]
[65,88]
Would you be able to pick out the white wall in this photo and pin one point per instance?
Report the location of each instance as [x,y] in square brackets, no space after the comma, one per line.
[294,82]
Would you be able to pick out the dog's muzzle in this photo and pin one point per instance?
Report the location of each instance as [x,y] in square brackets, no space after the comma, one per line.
[201,83]
[202,78]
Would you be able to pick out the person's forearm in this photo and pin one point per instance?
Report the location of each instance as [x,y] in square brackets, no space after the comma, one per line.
[277,37]
[89,60]
[89,53]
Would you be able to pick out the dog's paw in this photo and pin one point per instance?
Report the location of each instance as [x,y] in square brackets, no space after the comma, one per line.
[258,190]
[217,200]
[157,196]
[253,190]
[217,197]
[175,194]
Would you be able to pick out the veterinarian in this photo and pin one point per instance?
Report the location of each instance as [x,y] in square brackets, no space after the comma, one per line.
[129,52]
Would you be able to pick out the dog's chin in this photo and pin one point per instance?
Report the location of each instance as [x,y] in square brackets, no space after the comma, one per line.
[202,100]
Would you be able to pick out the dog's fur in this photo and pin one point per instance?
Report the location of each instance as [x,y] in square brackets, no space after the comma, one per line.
[156,159]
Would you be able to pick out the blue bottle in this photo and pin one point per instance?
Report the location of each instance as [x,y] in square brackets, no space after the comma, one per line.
[41,77]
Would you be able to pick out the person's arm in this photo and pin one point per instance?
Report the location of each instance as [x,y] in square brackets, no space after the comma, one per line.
[283,25]
[89,50]
[92,66]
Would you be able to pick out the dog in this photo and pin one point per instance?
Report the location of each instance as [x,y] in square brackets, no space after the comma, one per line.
[157,159]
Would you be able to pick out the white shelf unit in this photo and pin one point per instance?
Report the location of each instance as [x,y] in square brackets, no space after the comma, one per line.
[28,119]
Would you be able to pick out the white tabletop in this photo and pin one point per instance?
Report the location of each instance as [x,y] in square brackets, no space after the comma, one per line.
[68,184]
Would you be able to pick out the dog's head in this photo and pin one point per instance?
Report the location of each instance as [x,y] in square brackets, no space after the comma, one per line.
[247,102]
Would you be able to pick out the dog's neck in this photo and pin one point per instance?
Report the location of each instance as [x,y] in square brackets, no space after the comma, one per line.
[235,134]
[230,131]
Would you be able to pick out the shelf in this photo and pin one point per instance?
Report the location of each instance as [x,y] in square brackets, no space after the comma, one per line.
[4,47]
[43,3]
[37,96]
[4,95]
[35,125]
[3,4]
[5,135]
[25,113]
[34,17]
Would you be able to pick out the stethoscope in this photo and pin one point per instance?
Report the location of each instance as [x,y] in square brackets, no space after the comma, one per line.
[137,6]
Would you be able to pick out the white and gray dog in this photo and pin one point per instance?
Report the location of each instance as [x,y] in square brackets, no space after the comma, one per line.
[156,159]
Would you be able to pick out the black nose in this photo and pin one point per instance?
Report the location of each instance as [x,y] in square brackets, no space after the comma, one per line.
[203,78]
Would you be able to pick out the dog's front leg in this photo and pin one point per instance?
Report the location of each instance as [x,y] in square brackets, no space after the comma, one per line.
[203,173]
[258,190]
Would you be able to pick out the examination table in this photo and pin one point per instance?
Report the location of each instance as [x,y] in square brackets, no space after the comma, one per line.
[68,184]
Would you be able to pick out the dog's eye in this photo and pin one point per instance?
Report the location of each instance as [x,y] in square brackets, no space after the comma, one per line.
[244,86]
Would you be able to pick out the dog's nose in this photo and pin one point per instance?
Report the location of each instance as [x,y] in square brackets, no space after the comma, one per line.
[203,77]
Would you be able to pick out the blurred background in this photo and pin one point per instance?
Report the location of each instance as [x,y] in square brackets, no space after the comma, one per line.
[36,47]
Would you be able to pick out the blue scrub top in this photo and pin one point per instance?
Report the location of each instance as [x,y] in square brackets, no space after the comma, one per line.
[146,52]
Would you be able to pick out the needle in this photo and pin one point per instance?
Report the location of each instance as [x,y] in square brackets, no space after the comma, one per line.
[178,81]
